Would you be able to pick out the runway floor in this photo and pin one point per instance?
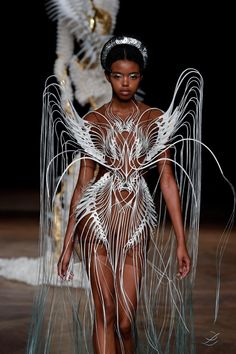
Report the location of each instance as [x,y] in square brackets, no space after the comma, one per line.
[18,237]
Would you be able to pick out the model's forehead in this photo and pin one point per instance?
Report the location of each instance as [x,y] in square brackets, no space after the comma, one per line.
[125,65]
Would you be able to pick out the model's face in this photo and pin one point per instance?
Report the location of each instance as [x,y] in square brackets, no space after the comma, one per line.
[125,78]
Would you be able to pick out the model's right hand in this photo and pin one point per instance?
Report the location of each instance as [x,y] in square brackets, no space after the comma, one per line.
[63,263]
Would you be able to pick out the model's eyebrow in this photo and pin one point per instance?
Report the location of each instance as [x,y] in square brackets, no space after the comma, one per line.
[132,72]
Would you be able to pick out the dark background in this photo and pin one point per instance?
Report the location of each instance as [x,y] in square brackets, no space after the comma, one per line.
[177,37]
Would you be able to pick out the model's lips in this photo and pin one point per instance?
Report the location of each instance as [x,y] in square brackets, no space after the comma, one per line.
[125,92]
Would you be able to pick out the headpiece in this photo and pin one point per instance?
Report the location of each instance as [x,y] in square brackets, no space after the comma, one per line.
[115,41]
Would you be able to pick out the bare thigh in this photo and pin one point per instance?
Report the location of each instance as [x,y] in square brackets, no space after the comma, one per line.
[101,279]
[128,282]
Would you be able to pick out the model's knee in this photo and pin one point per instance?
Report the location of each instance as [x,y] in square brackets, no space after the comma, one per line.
[125,327]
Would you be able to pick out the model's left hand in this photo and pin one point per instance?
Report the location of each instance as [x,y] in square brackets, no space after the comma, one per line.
[183,261]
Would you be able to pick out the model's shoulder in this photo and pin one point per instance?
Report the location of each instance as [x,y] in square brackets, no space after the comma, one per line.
[150,112]
[102,109]
[95,115]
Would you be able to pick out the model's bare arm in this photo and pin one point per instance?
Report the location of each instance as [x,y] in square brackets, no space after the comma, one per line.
[171,196]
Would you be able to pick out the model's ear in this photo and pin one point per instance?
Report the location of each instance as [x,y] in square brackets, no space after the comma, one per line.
[107,75]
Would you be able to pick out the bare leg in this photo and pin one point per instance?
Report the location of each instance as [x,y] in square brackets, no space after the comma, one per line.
[128,285]
[102,284]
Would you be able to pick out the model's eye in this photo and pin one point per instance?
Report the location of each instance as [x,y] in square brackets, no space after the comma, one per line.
[116,76]
[120,76]
[134,76]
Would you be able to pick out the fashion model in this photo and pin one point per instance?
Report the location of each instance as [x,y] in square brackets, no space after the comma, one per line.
[136,238]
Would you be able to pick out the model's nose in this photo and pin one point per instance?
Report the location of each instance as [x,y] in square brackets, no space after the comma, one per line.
[125,81]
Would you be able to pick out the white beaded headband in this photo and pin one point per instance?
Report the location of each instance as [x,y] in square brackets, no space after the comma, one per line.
[123,40]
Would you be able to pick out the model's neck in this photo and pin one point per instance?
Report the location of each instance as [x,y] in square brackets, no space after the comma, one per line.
[121,105]
[123,109]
